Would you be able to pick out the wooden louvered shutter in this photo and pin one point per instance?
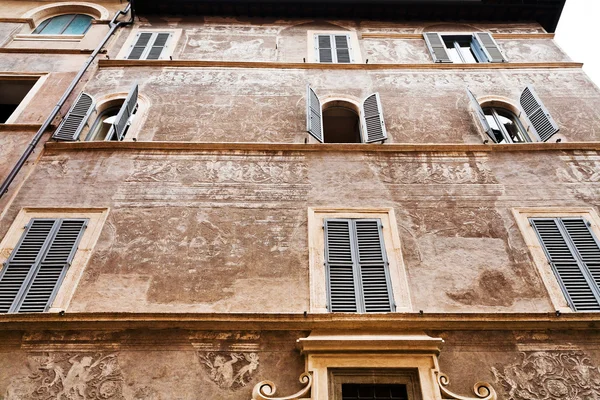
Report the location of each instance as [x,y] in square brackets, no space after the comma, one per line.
[324,48]
[37,265]
[122,119]
[372,116]
[537,114]
[373,266]
[340,263]
[160,41]
[437,47]
[139,47]
[570,248]
[489,47]
[314,118]
[343,52]
[481,115]
[73,123]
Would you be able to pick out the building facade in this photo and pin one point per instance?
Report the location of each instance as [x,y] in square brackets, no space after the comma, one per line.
[296,200]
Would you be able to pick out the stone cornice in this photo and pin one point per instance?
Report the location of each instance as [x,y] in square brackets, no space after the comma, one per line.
[391,35]
[393,322]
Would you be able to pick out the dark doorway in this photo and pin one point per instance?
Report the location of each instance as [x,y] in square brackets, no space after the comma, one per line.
[12,92]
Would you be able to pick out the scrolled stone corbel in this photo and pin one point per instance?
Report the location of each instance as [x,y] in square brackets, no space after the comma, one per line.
[482,390]
[265,390]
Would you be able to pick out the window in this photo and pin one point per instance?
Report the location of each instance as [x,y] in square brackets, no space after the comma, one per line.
[340,121]
[355,261]
[12,93]
[112,123]
[357,268]
[479,47]
[352,391]
[573,252]
[149,46]
[503,125]
[66,24]
[370,384]
[333,48]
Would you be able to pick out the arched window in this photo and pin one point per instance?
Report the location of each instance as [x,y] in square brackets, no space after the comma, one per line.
[505,125]
[103,127]
[341,123]
[66,24]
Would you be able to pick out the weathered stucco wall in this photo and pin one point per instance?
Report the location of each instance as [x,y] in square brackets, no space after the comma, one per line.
[210,232]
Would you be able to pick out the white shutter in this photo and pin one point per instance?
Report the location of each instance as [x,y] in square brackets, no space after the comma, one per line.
[149,45]
[372,119]
[123,117]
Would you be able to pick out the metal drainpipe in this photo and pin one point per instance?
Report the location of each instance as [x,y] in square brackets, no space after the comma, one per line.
[114,25]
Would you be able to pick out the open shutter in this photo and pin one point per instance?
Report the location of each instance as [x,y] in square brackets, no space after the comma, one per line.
[21,264]
[489,47]
[373,266]
[372,119]
[578,287]
[139,47]
[480,115]
[160,41]
[73,123]
[324,48]
[52,268]
[537,114]
[125,113]
[436,47]
[339,260]
[342,49]
[314,119]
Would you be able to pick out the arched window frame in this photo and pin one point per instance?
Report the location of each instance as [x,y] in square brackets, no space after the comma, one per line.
[39,30]
[43,13]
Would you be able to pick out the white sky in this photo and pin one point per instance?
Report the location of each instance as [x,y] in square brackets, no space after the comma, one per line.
[578,33]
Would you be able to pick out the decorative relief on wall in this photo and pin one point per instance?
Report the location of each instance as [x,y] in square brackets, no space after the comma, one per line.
[266,390]
[424,170]
[69,376]
[549,376]
[580,171]
[230,370]
[482,390]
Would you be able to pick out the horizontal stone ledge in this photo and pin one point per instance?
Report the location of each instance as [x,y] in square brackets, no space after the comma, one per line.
[107,63]
[319,147]
[29,50]
[23,127]
[355,322]
[16,20]
[391,35]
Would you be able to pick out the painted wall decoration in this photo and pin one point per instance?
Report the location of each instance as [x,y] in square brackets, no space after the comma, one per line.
[69,376]
[549,376]
[230,370]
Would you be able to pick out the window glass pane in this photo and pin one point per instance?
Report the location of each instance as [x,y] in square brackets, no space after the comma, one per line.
[511,125]
[103,123]
[56,25]
[79,25]
[454,56]
[468,54]
[373,391]
[489,116]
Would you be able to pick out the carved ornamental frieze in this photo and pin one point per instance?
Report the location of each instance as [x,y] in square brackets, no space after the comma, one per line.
[550,375]
[230,370]
[69,376]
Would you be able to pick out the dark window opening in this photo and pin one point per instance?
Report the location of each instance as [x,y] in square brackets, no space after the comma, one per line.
[505,125]
[102,129]
[373,392]
[12,93]
[341,125]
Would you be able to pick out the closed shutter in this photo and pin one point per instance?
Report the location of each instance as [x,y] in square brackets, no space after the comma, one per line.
[73,123]
[537,114]
[437,47]
[314,119]
[38,263]
[481,116]
[149,45]
[373,266]
[372,116]
[357,268]
[489,47]
[333,49]
[570,247]
[342,49]
[122,119]
[324,48]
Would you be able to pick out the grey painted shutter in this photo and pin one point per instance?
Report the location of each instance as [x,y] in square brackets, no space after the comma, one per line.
[586,246]
[537,114]
[125,113]
[437,47]
[314,119]
[53,266]
[339,260]
[489,47]
[480,115]
[373,266]
[139,46]
[342,48]
[324,48]
[73,123]
[372,115]
[158,46]
[564,252]
[37,265]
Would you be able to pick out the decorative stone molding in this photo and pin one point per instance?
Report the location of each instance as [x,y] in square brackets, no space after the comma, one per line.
[482,390]
[222,371]
[266,390]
